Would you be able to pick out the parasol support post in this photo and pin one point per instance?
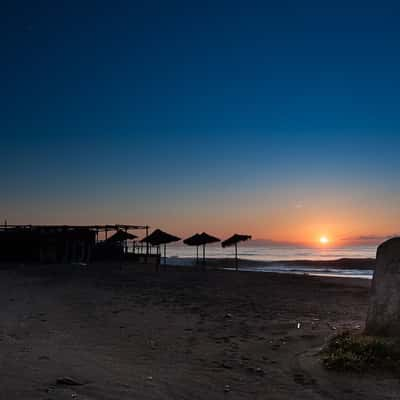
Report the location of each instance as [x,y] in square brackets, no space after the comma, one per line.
[158,252]
[126,241]
[236,257]
[147,245]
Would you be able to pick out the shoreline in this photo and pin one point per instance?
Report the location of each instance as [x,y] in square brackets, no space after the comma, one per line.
[340,263]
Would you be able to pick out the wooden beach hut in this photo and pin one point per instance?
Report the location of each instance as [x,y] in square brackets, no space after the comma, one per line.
[46,244]
[58,243]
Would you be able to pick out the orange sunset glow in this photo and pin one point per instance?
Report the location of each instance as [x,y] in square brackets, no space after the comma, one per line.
[324,240]
[212,183]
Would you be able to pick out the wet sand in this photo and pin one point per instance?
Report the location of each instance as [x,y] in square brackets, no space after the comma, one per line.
[340,263]
[131,333]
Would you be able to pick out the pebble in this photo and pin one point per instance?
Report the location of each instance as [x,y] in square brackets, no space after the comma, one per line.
[259,371]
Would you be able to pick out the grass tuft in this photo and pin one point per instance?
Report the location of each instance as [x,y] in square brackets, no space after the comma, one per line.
[359,353]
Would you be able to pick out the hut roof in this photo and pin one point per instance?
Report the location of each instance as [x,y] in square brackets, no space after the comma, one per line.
[236,238]
[159,237]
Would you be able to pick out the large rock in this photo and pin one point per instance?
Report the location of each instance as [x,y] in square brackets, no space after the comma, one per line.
[384,308]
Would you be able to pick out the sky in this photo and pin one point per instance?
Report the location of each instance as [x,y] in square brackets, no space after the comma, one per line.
[276,119]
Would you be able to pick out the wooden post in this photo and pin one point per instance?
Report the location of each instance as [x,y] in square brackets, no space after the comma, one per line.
[204,255]
[147,245]
[165,254]
[158,259]
[66,251]
[89,254]
[197,254]
[236,257]
[126,242]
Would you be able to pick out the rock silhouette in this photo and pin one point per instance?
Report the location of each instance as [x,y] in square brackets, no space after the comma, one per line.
[384,308]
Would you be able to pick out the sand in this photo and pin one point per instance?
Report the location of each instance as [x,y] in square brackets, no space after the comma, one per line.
[179,334]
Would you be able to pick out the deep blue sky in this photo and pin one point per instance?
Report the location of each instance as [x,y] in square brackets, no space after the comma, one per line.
[184,114]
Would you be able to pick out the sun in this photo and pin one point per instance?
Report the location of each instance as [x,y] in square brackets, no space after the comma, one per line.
[324,240]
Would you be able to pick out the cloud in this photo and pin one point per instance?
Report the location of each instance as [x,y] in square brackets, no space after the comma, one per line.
[273,243]
[369,239]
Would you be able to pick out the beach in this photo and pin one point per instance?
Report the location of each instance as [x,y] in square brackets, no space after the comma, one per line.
[126,332]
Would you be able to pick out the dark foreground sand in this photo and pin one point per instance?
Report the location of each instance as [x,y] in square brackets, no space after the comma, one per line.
[129,334]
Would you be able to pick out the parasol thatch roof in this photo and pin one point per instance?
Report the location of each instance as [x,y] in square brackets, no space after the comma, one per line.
[236,238]
[201,239]
[205,238]
[120,236]
[159,237]
[193,240]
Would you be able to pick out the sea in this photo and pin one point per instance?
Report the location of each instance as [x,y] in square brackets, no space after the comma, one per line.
[258,259]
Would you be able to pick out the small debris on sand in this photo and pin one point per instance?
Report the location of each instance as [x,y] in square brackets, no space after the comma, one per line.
[68,381]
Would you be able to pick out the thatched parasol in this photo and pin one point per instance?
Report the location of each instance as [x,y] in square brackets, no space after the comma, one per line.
[158,237]
[121,236]
[233,241]
[205,239]
[194,241]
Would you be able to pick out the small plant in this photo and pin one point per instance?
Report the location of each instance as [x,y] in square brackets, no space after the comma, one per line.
[359,353]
